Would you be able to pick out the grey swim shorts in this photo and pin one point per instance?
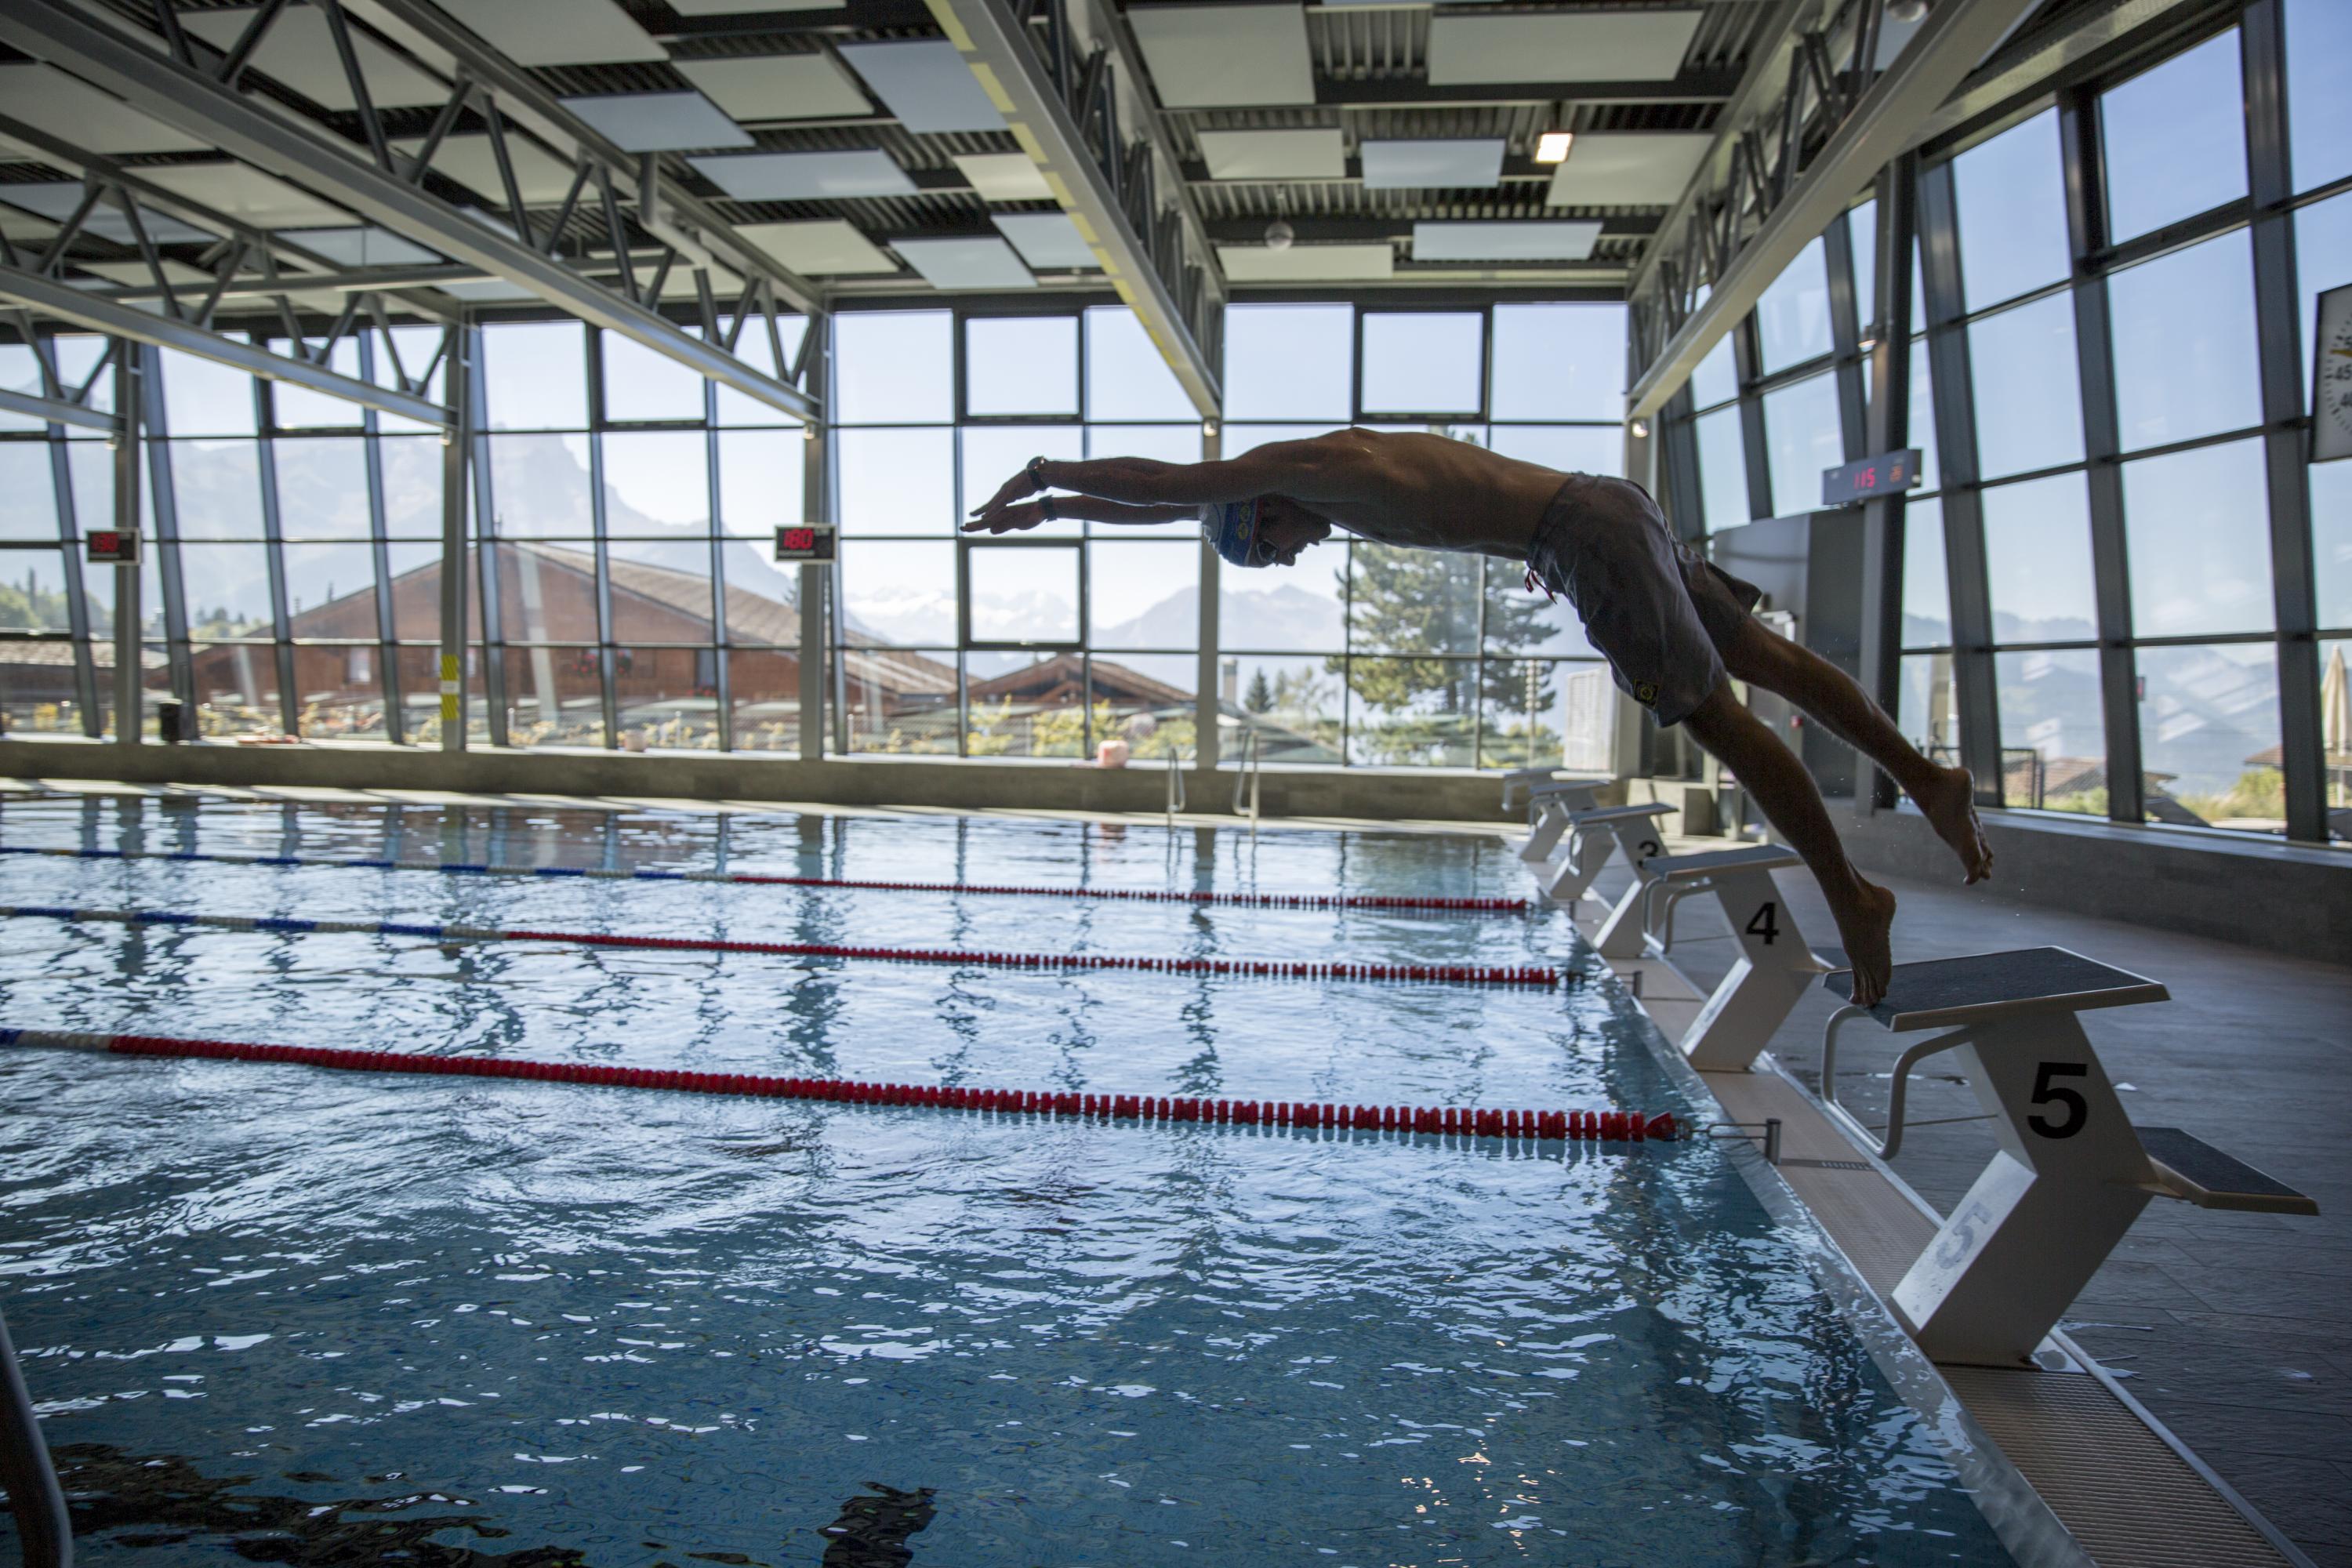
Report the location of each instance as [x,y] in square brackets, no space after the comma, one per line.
[1655,609]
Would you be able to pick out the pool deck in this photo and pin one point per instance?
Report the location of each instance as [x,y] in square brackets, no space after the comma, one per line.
[2230,1328]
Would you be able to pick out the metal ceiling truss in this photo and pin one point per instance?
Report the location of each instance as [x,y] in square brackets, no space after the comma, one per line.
[247,260]
[1810,127]
[1070,81]
[661,227]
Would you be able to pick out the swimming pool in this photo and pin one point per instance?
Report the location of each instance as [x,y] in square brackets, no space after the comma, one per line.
[310,1316]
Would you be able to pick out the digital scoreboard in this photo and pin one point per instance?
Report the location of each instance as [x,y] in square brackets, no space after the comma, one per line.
[110,547]
[1860,481]
[805,541]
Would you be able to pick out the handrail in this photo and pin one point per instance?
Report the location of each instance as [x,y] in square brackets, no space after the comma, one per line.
[1247,781]
[1897,1096]
[25,1471]
[1175,784]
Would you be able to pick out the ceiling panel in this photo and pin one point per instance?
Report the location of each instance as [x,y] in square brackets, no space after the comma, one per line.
[978,263]
[1627,168]
[745,7]
[1569,240]
[58,199]
[1313,155]
[926,84]
[1445,165]
[1004,176]
[780,86]
[543,177]
[365,245]
[49,100]
[298,51]
[824,247]
[1047,241]
[1470,47]
[557,32]
[805,176]
[262,200]
[658,121]
[1210,55]
[1308,263]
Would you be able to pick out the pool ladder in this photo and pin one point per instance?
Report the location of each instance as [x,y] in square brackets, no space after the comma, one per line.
[25,1471]
[1245,783]
[1175,784]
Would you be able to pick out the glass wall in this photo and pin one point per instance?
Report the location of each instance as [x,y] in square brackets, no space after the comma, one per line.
[2094,539]
[1366,655]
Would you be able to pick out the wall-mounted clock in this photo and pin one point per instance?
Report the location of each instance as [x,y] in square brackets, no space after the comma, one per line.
[2331,378]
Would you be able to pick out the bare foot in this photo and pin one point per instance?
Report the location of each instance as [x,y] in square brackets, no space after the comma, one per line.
[1952,807]
[1865,914]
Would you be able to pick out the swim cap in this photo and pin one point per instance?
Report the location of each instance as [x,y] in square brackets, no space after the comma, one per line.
[1231,527]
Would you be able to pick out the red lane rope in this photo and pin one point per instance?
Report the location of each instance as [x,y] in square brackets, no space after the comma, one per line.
[1255,968]
[1606,1126]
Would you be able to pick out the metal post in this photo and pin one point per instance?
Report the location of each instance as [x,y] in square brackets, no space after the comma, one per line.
[273,534]
[456,446]
[1205,710]
[1887,429]
[607,655]
[25,1469]
[85,674]
[1955,457]
[1747,359]
[2280,346]
[2078,140]
[129,696]
[395,729]
[155,430]
[813,574]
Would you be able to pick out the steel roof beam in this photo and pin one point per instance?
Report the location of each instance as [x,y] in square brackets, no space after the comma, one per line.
[1947,46]
[65,302]
[57,411]
[193,103]
[996,45]
[433,37]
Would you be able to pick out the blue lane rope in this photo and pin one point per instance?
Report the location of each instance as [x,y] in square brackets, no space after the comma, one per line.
[1274,969]
[759,878]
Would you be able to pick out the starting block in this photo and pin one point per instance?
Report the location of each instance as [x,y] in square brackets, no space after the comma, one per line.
[2072,1172]
[1517,780]
[1591,833]
[1551,805]
[1776,965]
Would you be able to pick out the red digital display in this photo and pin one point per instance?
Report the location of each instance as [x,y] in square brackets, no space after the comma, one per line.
[105,545]
[1872,475]
[805,542]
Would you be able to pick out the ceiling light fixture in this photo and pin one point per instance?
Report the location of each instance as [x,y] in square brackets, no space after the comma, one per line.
[1906,12]
[1279,233]
[1552,146]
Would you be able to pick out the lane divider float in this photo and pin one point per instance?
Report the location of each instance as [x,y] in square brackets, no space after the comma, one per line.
[1251,968]
[758,878]
[1598,1126]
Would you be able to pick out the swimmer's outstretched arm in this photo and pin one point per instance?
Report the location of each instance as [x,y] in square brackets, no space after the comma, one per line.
[1300,469]
[1014,517]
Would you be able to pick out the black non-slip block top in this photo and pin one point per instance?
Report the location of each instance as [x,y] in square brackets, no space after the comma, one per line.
[1945,990]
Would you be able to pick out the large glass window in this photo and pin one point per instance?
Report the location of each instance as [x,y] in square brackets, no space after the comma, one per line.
[2184,343]
[1792,318]
[1425,361]
[2208,727]
[1290,361]
[2029,401]
[2199,553]
[1801,438]
[2011,196]
[2319,109]
[2038,561]
[1560,362]
[1722,469]
[2175,139]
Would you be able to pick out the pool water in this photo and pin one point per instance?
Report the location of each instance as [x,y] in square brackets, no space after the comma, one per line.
[279,1314]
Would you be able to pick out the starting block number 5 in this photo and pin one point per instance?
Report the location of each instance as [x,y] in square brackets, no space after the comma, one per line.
[2078,1110]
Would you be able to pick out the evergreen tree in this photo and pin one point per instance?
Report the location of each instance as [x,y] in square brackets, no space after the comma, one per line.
[1259,699]
[1411,603]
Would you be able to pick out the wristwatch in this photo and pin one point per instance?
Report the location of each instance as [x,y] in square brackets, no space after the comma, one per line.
[1037,471]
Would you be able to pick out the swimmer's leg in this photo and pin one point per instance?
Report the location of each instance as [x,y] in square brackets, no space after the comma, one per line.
[1776,780]
[1762,657]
